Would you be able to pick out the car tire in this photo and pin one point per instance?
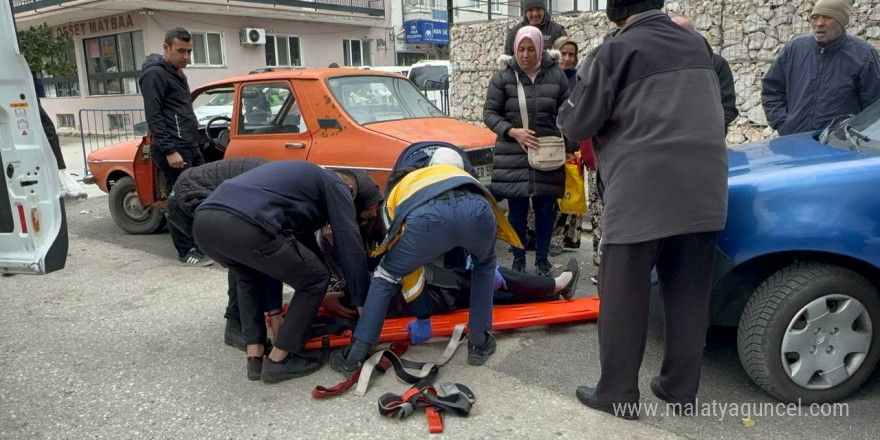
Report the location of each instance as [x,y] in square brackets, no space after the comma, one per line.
[811,333]
[129,214]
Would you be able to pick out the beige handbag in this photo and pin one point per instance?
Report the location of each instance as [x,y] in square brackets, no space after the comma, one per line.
[549,155]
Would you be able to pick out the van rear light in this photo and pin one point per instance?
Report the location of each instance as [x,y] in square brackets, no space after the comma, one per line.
[22,218]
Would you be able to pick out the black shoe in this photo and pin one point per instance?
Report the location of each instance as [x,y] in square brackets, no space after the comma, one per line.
[233,336]
[291,367]
[678,407]
[479,355]
[519,264]
[339,362]
[587,396]
[542,267]
[568,291]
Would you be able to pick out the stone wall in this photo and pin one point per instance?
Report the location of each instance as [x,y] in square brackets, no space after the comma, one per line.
[748,33]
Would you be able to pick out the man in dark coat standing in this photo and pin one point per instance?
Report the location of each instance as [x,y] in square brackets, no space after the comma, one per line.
[173,124]
[535,14]
[649,99]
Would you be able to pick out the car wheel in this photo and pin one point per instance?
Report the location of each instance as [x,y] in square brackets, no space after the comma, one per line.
[811,333]
[129,214]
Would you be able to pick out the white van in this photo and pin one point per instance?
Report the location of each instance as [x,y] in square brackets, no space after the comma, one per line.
[33,226]
[431,77]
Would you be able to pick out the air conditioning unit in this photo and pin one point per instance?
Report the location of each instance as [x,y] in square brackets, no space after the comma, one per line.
[253,36]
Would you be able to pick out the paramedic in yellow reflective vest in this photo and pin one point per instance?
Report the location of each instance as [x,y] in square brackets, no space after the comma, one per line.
[430,211]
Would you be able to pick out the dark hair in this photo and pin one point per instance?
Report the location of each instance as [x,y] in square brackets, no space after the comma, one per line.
[346,172]
[396,176]
[177,34]
[333,65]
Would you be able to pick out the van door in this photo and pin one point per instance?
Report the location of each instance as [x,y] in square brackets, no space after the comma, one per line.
[33,226]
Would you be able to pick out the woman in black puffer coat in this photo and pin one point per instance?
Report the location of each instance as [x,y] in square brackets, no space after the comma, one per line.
[546,88]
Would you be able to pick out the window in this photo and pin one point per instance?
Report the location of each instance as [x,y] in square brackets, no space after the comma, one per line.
[496,5]
[119,122]
[111,65]
[283,50]
[66,120]
[474,4]
[207,49]
[371,98]
[269,108]
[356,53]
[62,86]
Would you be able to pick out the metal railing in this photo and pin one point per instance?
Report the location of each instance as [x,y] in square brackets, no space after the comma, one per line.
[369,7]
[102,127]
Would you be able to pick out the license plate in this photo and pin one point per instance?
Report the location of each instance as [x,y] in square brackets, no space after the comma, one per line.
[484,173]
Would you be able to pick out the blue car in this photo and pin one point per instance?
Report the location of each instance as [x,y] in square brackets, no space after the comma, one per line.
[798,267]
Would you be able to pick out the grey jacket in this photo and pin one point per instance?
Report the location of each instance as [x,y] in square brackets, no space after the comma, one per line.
[649,98]
[511,174]
[807,86]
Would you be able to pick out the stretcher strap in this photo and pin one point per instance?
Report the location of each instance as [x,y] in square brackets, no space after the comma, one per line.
[402,366]
[321,392]
[455,398]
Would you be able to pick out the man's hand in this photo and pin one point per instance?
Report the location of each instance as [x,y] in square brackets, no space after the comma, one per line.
[334,306]
[175,160]
[526,138]
[419,330]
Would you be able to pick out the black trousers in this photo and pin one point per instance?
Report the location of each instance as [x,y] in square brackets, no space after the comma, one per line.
[182,240]
[684,268]
[255,257]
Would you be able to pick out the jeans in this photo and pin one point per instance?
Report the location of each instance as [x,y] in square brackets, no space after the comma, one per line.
[449,221]
[193,158]
[545,216]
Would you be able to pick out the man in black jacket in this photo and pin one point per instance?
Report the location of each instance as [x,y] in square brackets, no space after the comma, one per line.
[725,77]
[262,224]
[173,124]
[649,99]
[535,14]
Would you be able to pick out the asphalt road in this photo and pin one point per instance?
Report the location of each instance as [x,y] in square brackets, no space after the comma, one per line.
[124,343]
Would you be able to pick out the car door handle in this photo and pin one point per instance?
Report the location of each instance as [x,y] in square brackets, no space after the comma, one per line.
[294,145]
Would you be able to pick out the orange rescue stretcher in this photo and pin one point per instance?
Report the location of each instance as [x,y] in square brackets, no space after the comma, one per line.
[504,317]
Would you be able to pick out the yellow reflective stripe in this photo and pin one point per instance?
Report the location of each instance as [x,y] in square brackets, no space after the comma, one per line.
[413,284]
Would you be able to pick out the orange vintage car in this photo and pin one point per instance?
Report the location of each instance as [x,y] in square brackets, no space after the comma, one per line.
[341,118]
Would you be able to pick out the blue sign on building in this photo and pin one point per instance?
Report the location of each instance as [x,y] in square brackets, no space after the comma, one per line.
[426,31]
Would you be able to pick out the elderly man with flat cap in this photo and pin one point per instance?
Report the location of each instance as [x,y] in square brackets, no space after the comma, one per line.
[535,14]
[819,76]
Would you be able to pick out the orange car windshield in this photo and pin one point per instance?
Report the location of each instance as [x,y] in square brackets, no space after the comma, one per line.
[374,98]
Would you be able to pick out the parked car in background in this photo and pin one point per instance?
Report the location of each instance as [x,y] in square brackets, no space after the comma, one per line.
[798,268]
[431,77]
[341,118]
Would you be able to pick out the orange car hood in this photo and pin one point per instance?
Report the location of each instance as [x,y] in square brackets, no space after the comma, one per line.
[449,130]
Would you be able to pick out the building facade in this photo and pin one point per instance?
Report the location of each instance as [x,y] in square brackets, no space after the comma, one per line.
[111,39]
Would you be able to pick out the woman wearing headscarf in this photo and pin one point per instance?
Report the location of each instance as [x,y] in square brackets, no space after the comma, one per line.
[546,88]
